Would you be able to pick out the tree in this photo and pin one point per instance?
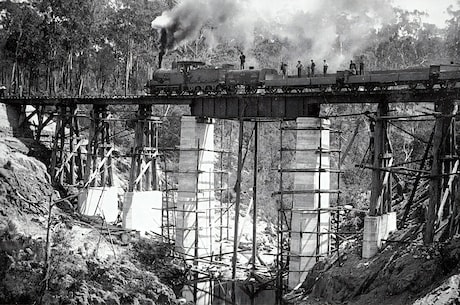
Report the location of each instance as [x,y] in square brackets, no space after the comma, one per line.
[22,41]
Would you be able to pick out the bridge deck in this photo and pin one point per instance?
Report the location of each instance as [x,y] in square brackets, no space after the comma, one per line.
[256,105]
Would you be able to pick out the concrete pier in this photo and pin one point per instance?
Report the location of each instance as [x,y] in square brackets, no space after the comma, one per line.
[99,201]
[142,211]
[377,228]
[310,224]
[195,203]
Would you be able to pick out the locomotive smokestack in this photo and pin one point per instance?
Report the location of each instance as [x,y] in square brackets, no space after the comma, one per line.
[163,45]
[160,58]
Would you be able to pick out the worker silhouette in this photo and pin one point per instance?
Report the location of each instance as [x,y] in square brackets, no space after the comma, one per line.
[299,67]
[312,67]
[242,61]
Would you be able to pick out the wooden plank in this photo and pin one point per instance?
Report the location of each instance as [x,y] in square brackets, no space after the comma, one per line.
[441,128]
[447,191]
[99,166]
[69,158]
[145,167]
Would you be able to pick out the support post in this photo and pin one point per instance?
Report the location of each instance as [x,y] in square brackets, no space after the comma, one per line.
[195,192]
[142,204]
[100,197]
[380,153]
[66,158]
[440,147]
[380,221]
[254,199]
[99,157]
[238,198]
[144,155]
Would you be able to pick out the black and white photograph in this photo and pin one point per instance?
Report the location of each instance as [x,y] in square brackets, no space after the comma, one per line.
[229,152]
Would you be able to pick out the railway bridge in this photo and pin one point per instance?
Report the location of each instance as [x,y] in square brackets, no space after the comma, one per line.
[191,218]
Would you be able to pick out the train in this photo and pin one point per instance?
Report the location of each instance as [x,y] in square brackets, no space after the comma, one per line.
[195,77]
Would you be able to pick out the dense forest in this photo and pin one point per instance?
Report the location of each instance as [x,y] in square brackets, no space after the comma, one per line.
[109,46]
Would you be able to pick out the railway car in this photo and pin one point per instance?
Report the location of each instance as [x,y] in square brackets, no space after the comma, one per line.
[249,80]
[286,84]
[194,77]
[426,77]
[299,84]
[449,75]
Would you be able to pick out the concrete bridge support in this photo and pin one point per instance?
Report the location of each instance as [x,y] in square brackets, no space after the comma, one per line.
[195,204]
[142,204]
[310,217]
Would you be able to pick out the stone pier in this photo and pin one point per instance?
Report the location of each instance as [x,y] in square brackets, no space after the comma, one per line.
[142,211]
[100,201]
[195,204]
[310,224]
[376,230]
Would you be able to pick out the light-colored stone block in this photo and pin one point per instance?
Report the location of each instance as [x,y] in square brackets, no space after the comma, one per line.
[392,223]
[142,211]
[371,236]
[376,230]
[100,201]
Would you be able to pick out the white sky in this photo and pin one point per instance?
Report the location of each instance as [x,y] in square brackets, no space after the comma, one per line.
[437,9]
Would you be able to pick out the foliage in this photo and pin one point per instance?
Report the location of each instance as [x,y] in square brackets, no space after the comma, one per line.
[156,257]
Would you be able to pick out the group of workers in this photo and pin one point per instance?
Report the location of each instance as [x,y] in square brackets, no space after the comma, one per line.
[311,68]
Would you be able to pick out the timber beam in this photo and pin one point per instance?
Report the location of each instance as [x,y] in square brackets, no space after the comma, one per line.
[66,156]
[380,202]
[99,170]
[195,101]
[144,155]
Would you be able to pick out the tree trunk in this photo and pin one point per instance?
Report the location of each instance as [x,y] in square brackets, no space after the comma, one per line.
[128,66]
[69,71]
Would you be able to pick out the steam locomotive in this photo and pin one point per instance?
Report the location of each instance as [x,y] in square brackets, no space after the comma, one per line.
[194,77]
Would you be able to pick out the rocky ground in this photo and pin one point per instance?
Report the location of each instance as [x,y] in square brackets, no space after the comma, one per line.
[80,263]
[404,272]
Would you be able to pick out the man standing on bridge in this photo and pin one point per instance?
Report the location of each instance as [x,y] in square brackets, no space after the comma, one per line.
[312,67]
[283,68]
[242,61]
[299,68]
[325,66]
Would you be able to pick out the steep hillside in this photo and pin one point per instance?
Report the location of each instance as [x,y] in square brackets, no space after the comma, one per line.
[405,271]
[77,262]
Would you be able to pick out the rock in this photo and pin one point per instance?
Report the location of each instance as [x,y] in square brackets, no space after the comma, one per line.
[447,293]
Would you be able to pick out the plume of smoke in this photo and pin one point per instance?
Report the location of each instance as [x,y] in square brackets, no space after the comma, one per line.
[309,29]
